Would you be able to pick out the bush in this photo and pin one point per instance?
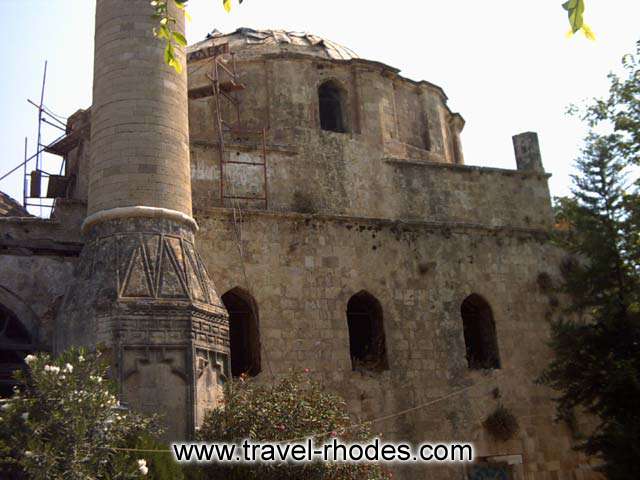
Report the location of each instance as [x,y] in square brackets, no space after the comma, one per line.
[292,408]
[502,424]
[64,421]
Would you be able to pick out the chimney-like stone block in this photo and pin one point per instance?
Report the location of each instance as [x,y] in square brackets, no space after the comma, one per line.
[527,150]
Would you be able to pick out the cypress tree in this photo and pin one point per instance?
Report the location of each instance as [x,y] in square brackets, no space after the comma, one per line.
[596,365]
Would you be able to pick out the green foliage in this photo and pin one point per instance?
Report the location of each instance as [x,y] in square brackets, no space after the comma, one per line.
[621,109]
[166,22]
[575,10]
[501,424]
[293,408]
[64,421]
[164,30]
[598,215]
[597,361]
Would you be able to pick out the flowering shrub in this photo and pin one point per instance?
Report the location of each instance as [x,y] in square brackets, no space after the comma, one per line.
[292,408]
[64,420]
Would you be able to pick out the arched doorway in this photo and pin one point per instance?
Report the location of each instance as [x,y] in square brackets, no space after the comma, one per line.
[15,344]
[244,334]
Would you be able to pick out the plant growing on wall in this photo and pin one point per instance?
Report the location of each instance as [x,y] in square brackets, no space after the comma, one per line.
[293,407]
[502,424]
[64,420]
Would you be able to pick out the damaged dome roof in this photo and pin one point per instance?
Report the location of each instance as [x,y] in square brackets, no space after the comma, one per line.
[11,208]
[276,41]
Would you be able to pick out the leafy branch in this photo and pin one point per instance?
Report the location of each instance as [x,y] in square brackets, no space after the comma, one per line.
[575,11]
[165,29]
[173,39]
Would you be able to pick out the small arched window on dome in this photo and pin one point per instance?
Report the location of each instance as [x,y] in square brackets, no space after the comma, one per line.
[331,99]
[367,342]
[479,333]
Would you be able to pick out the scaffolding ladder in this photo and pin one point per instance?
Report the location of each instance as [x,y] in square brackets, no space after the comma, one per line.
[225,84]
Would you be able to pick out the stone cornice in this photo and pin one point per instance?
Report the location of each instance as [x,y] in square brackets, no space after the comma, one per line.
[399,223]
[138,212]
[466,168]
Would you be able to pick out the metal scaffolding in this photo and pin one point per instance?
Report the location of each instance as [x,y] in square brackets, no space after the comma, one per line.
[224,86]
[57,183]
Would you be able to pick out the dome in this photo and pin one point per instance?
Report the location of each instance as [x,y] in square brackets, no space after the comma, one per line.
[247,41]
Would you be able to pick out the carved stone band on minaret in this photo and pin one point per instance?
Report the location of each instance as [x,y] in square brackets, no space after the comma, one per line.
[142,291]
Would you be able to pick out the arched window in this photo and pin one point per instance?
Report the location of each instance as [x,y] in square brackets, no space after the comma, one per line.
[15,344]
[366,333]
[331,99]
[479,333]
[244,335]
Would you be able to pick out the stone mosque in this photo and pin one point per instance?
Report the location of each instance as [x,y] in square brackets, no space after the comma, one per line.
[284,204]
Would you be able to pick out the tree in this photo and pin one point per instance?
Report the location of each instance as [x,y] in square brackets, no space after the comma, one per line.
[64,422]
[621,109]
[597,357]
[294,407]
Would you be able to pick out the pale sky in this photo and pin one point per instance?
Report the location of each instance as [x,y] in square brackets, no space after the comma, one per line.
[505,65]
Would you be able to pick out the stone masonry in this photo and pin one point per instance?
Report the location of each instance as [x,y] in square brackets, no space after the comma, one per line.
[141,289]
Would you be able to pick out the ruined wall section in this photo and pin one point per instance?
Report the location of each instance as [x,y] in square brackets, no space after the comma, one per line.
[376,170]
[386,116]
[302,270]
[334,173]
[37,258]
[78,155]
[11,208]
[330,175]
[466,194]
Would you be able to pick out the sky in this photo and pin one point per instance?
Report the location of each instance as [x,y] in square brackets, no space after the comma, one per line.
[506,65]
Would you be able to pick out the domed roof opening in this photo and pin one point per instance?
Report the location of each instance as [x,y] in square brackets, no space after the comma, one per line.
[261,42]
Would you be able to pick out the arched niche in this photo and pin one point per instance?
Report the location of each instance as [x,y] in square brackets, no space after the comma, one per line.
[18,329]
[367,342]
[244,332]
[480,337]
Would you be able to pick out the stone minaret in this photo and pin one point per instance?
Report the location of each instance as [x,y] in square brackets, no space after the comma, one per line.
[142,291]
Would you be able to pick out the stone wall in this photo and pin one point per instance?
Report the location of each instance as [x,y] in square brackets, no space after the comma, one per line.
[401,158]
[343,174]
[405,118]
[332,174]
[303,269]
[37,259]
